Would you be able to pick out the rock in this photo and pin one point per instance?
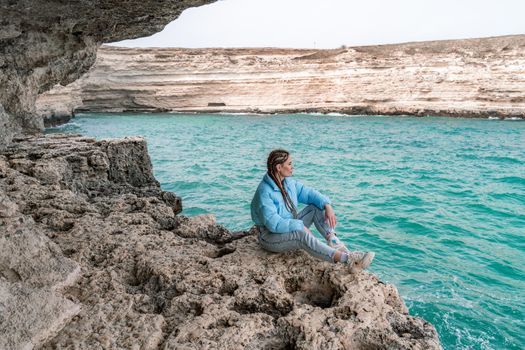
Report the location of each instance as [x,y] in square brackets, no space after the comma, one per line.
[97,258]
[202,227]
[8,208]
[56,109]
[50,192]
[33,259]
[44,44]
[29,316]
[128,164]
[467,78]
[7,130]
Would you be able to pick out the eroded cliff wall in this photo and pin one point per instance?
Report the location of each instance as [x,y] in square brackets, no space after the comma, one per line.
[47,42]
[471,78]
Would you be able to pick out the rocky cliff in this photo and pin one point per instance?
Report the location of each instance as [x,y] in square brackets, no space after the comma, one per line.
[93,256]
[43,43]
[469,78]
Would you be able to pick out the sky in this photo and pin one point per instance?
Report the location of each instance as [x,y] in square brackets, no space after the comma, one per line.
[333,23]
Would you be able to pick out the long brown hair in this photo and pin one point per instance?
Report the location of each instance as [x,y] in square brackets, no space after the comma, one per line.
[279,156]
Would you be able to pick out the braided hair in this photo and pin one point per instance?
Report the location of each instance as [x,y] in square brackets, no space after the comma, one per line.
[279,156]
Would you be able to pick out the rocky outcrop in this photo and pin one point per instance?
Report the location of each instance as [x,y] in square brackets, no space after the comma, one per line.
[57,109]
[44,43]
[50,187]
[468,78]
[93,255]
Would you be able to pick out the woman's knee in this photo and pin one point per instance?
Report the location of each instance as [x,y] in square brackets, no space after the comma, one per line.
[302,235]
[307,239]
[311,207]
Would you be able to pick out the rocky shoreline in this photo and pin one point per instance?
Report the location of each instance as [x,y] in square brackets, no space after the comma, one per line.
[474,78]
[93,255]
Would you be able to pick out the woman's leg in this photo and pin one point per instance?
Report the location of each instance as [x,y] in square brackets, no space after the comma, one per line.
[283,242]
[311,214]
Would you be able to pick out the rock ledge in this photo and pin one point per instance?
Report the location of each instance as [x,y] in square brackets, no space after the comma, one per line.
[93,255]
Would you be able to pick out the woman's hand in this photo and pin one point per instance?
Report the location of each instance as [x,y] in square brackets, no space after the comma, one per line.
[330,215]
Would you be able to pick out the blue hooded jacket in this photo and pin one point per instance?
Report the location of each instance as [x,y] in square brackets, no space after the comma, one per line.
[268,208]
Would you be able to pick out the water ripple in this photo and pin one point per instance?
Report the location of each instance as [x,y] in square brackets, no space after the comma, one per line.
[441,201]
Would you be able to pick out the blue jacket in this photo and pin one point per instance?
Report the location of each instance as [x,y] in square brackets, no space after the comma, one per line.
[268,208]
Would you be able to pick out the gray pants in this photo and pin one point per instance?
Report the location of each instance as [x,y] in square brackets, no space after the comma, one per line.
[283,242]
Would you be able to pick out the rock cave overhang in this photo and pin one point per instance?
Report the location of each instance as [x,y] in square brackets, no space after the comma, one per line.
[44,43]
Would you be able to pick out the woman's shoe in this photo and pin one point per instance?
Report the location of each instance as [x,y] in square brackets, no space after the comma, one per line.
[359,261]
[334,242]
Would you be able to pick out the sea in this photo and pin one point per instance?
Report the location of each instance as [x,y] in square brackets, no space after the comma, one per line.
[441,201]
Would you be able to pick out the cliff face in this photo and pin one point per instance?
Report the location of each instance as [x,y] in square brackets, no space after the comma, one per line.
[471,78]
[43,43]
[93,255]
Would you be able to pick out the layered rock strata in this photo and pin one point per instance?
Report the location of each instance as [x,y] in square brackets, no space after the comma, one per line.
[43,43]
[468,78]
[93,255]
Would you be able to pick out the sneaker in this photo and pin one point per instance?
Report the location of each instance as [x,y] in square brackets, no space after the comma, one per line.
[359,260]
[334,242]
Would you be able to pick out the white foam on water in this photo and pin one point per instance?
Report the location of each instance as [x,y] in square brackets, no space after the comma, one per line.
[239,113]
[334,114]
[311,113]
[464,337]
[63,126]
[330,114]
[179,112]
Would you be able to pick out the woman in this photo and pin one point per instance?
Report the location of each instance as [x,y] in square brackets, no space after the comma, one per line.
[281,228]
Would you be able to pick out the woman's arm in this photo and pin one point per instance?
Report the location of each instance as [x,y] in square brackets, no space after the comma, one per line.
[329,215]
[307,195]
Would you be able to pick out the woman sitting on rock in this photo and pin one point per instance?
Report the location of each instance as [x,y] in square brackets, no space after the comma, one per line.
[281,228]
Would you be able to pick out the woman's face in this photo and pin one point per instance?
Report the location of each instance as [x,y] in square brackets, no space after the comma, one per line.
[285,169]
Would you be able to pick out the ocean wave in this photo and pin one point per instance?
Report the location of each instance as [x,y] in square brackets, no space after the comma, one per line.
[178,112]
[240,113]
[329,114]
[335,114]
[503,159]
[315,114]
[64,126]
[512,180]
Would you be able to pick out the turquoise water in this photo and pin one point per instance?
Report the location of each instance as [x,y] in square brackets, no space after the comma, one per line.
[441,201]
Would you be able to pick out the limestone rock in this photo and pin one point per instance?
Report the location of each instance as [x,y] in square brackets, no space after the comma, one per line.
[468,78]
[29,316]
[33,259]
[8,208]
[202,227]
[42,44]
[128,164]
[49,187]
[97,258]
[55,109]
